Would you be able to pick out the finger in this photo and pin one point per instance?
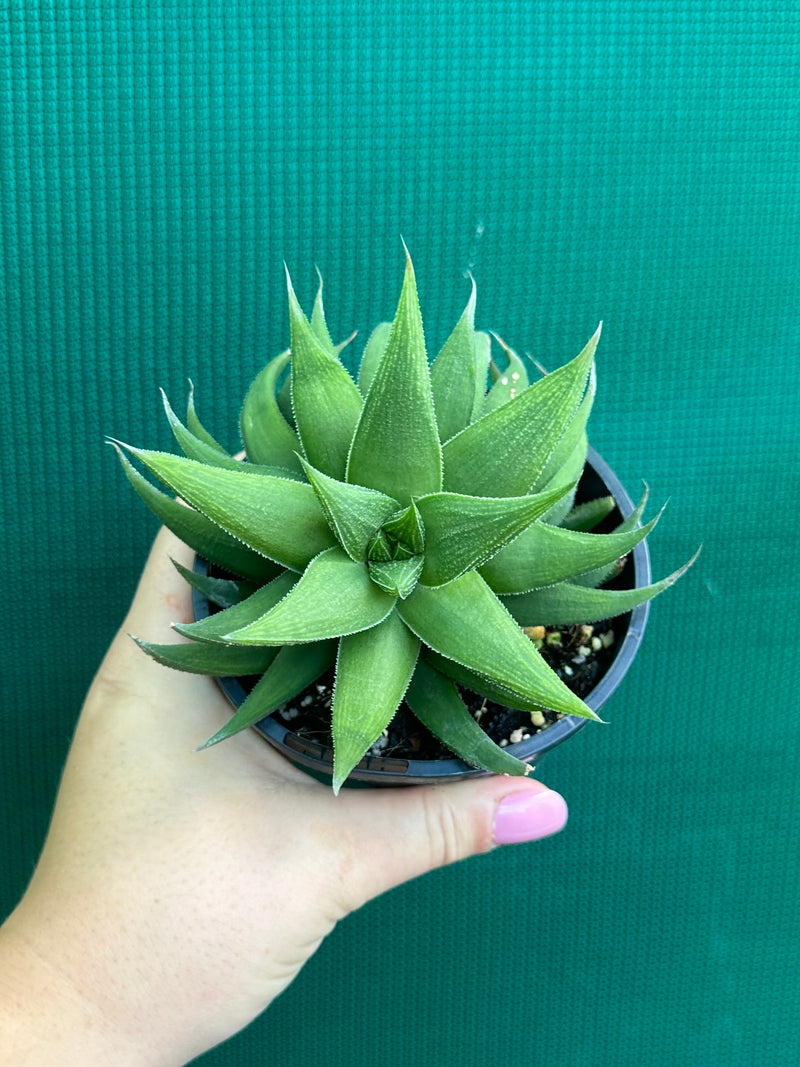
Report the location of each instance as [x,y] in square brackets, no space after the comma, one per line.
[417,829]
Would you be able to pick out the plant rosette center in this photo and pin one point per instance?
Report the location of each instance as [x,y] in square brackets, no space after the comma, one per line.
[395,554]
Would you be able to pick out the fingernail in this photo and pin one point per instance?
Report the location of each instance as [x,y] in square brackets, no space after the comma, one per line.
[527,815]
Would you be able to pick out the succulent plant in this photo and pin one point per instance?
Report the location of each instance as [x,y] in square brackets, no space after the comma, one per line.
[404,527]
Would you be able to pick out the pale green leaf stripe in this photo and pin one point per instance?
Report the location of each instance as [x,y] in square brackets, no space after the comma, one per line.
[467,623]
[480,685]
[277,517]
[505,452]
[543,555]
[224,592]
[266,435]
[396,444]
[436,703]
[462,532]
[333,597]
[373,669]
[195,426]
[353,512]
[197,531]
[453,375]
[565,604]
[215,627]
[221,661]
[325,399]
[374,352]
[292,669]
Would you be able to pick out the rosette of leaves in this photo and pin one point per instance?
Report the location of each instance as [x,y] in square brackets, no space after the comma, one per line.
[403,527]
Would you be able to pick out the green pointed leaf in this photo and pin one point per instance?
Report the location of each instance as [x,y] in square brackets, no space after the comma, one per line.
[483,356]
[478,684]
[354,513]
[319,326]
[373,670]
[565,603]
[397,576]
[192,446]
[197,531]
[465,622]
[325,399]
[335,596]
[285,401]
[504,453]
[462,532]
[195,427]
[195,448]
[601,575]
[591,513]
[373,353]
[632,521]
[571,471]
[508,383]
[396,444]
[407,532]
[224,592]
[293,668]
[267,436]
[436,703]
[380,548]
[277,517]
[573,443]
[215,627]
[454,373]
[221,661]
[544,555]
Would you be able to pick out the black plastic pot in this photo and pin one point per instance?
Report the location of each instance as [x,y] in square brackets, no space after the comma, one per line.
[597,480]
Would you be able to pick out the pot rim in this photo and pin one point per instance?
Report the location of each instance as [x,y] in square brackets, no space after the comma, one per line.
[388,770]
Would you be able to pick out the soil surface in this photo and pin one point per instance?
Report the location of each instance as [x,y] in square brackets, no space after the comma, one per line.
[579,655]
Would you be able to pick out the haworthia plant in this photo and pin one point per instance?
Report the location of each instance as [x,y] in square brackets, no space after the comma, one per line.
[404,526]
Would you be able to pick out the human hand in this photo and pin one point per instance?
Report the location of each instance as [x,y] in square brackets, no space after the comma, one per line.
[178,891]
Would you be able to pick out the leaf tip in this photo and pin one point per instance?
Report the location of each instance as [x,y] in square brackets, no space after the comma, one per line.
[290,288]
[214,740]
[121,447]
[409,264]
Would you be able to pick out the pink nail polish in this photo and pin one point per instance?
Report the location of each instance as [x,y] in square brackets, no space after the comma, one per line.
[528,815]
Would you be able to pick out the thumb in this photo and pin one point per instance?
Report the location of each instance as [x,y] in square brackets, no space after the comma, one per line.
[417,829]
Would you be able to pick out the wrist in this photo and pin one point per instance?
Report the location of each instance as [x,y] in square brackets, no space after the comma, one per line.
[46,1019]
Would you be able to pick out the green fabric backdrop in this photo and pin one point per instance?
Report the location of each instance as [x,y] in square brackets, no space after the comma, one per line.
[630,161]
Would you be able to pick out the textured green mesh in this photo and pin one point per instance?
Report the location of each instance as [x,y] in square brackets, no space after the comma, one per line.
[585,159]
